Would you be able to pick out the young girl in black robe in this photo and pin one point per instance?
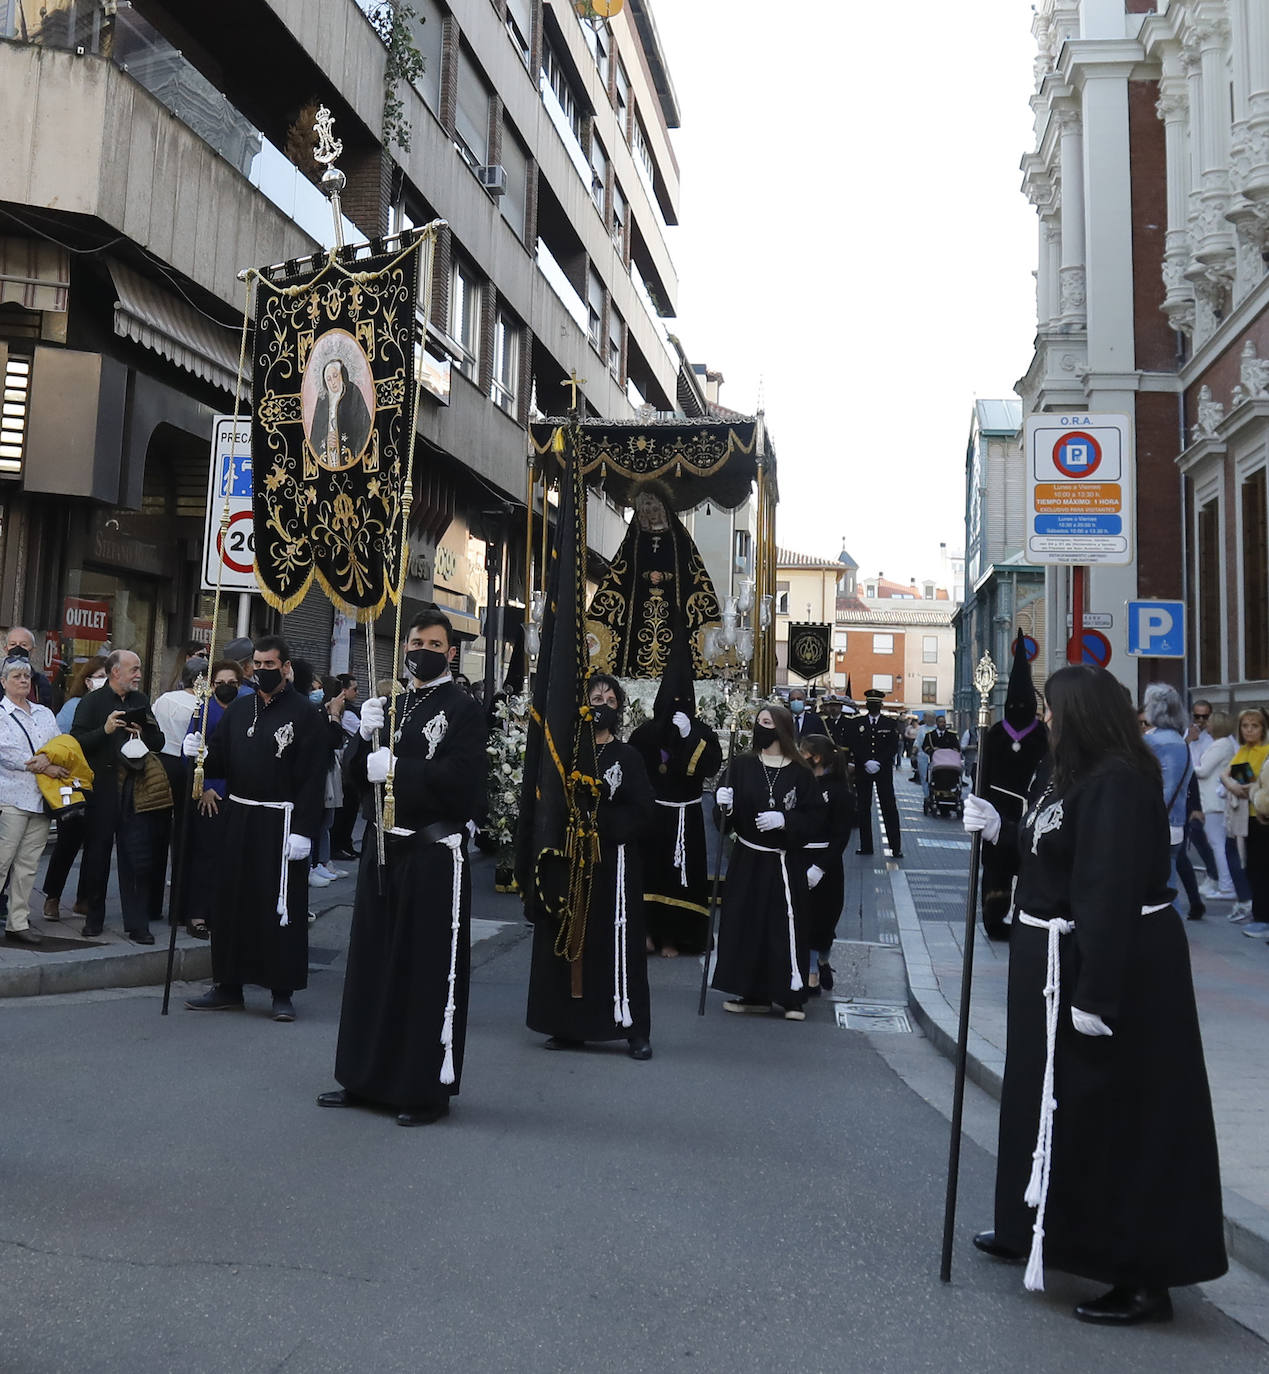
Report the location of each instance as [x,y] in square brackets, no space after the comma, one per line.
[615,1003]
[776,807]
[1120,1182]
[825,879]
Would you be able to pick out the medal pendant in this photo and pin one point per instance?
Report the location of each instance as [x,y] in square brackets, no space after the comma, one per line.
[1016,747]
[251,730]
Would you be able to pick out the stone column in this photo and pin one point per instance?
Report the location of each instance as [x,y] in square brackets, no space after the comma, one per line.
[1214,244]
[1072,303]
[1173,108]
[1047,291]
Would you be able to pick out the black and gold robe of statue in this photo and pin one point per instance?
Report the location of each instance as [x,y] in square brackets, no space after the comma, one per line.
[657,582]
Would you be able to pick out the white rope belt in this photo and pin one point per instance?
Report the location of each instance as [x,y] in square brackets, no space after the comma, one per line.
[286,808]
[447,1027]
[1037,1194]
[816,844]
[795,978]
[620,971]
[680,838]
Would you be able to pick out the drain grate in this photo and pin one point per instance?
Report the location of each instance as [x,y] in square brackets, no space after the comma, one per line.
[872,1016]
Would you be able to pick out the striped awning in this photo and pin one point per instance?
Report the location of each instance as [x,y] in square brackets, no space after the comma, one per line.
[151,315]
[34,274]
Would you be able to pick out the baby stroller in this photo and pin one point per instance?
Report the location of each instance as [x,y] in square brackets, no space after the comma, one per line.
[944,795]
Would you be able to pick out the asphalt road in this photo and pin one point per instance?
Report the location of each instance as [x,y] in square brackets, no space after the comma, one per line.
[763,1195]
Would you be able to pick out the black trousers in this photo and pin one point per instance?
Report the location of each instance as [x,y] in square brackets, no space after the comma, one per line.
[113,824]
[167,831]
[70,839]
[884,781]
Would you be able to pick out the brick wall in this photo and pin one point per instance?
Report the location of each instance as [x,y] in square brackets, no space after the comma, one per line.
[1154,338]
[1159,565]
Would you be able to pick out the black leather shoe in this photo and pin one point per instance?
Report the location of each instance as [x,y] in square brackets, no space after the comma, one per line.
[90,932]
[1197,912]
[340,1097]
[987,1243]
[216,999]
[863,851]
[896,853]
[639,1047]
[25,936]
[346,854]
[826,977]
[560,1042]
[422,1116]
[1124,1306]
[140,937]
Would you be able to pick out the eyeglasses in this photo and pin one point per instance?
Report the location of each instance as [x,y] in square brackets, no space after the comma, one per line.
[1202,715]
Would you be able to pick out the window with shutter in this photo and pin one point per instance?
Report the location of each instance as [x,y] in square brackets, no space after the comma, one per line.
[1208,572]
[471,118]
[1255,588]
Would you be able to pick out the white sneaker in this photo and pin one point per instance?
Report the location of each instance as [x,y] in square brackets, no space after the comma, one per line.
[1241,912]
[316,878]
[1210,890]
[328,872]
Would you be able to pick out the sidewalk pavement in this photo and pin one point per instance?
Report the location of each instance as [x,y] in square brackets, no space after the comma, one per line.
[114,961]
[1231,982]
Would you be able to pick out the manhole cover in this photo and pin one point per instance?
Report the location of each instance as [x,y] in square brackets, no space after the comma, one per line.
[872,1016]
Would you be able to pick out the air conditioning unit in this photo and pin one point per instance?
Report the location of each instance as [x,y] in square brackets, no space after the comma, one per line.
[493,179]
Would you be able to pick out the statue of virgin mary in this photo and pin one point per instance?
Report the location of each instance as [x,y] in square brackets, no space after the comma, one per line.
[657,587]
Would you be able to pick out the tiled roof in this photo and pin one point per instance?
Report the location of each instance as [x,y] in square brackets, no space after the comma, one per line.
[786,558]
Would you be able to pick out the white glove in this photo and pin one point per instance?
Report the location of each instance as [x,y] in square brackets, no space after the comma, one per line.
[453,841]
[373,716]
[770,820]
[681,723]
[872,766]
[980,814]
[298,847]
[471,829]
[377,764]
[191,744]
[1088,1024]
[813,876]
[724,797]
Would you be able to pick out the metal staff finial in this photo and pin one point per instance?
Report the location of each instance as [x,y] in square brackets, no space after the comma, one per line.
[328,149]
[985,676]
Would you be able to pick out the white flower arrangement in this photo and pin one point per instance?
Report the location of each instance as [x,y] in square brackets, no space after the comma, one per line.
[506,748]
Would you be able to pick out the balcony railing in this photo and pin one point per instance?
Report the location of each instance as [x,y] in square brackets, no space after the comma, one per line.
[136,47]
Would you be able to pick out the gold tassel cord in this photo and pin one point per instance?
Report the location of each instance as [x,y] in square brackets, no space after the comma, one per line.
[202,688]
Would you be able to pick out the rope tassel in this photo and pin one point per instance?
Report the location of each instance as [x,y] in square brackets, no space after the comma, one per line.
[447,1027]
[620,968]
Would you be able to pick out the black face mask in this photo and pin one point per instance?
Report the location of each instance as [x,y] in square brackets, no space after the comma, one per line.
[763,735]
[426,664]
[268,680]
[19,652]
[605,717]
[225,692]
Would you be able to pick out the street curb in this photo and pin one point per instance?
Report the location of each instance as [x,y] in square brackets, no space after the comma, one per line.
[1246,1223]
[78,970]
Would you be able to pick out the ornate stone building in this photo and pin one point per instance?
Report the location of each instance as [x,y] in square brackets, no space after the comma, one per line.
[1150,177]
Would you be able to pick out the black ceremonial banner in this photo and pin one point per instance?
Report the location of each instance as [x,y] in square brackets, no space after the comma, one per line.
[809,650]
[333,380]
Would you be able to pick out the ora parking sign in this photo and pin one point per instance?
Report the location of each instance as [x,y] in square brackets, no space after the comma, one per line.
[1079,489]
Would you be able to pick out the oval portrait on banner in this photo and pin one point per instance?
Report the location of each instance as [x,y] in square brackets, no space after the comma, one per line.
[338,400]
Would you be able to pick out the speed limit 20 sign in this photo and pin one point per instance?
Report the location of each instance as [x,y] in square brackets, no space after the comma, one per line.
[229,563]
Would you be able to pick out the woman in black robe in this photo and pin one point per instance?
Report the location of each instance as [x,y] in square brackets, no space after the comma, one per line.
[776,807]
[1125,1187]
[681,753]
[614,1002]
[825,878]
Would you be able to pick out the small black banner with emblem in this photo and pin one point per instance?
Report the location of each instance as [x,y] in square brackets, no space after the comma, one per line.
[809,649]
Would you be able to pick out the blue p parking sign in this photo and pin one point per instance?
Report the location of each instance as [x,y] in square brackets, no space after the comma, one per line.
[1156,629]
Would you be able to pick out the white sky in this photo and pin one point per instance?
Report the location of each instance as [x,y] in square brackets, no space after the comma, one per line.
[853,236]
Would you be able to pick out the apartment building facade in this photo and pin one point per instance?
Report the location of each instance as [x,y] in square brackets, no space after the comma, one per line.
[165,147]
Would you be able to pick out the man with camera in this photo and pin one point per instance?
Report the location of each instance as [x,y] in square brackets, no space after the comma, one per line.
[115,728]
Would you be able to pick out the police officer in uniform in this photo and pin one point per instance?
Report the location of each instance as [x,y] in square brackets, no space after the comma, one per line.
[873,740]
[834,721]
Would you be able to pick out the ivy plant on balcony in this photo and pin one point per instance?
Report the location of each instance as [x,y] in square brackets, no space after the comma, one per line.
[393,21]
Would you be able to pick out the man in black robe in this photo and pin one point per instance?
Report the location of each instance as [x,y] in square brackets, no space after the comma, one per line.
[681,753]
[403,1023]
[873,740]
[1012,750]
[273,750]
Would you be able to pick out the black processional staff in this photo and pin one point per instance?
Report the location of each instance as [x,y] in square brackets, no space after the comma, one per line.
[718,876]
[984,681]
